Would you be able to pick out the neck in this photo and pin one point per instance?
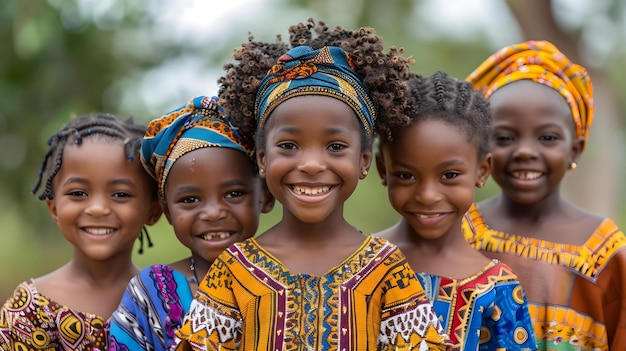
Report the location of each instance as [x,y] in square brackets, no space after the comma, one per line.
[334,229]
[199,266]
[119,268]
[452,241]
[533,212]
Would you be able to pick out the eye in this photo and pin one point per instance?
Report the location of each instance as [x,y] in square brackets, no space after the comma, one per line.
[287,146]
[405,176]
[122,194]
[503,138]
[549,137]
[188,200]
[336,147]
[77,193]
[449,175]
[234,194]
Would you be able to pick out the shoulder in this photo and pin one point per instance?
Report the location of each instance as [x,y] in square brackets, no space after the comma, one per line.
[23,297]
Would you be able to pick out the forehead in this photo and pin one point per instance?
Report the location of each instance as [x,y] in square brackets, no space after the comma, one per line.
[431,137]
[527,98]
[209,163]
[312,111]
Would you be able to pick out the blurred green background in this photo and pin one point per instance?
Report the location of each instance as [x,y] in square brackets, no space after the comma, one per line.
[143,58]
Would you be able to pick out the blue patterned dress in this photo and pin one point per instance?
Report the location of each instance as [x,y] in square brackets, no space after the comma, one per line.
[487,311]
[151,310]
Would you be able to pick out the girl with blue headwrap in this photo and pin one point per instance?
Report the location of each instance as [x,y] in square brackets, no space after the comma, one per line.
[211,195]
[313,281]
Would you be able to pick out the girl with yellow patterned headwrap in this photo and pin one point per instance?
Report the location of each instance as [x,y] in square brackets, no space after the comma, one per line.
[212,197]
[570,262]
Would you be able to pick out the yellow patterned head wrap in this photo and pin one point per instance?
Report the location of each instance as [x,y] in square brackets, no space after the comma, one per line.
[541,62]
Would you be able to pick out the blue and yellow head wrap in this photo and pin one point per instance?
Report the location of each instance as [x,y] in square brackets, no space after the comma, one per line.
[304,71]
[196,125]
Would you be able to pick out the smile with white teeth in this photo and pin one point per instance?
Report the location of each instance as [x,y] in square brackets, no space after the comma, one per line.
[305,190]
[214,235]
[99,231]
[428,215]
[526,175]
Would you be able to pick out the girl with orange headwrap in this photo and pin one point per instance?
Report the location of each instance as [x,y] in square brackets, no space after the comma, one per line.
[570,262]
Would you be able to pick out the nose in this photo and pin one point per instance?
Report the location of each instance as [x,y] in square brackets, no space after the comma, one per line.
[98,206]
[213,211]
[312,162]
[427,193]
[525,150]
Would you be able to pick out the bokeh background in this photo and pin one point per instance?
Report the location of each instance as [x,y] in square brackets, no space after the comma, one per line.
[144,58]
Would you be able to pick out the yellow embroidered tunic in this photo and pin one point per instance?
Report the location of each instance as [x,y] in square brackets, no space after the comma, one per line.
[372,301]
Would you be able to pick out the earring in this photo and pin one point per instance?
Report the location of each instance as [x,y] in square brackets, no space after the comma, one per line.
[261,172]
[364,173]
[480,185]
[384,181]
[572,166]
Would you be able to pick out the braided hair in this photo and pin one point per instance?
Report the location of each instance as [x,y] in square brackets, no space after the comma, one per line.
[103,126]
[444,98]
[383,73]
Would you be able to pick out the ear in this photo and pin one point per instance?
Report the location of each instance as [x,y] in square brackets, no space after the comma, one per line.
[366,162]
[166,211]
[484,169]
[578,146]
[155,212]
[52,208]
[261,161]
[267,200]
[380,166]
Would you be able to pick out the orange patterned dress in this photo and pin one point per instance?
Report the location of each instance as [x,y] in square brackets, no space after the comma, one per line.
[576,294]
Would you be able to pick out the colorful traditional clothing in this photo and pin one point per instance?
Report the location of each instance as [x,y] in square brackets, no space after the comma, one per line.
[576,293]
[198,124]
[250,301]
[487,311]
[303,71]
[540,62]
[31,321]
[151,310]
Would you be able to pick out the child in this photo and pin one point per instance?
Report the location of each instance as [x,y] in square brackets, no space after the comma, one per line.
[211,195]
[570,262]
[432,157]
[313,281]
[100,197]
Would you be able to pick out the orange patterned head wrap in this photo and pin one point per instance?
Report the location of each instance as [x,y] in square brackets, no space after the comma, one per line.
[541,62]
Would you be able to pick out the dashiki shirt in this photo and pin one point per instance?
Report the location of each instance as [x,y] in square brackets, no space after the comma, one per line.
[371,301]
[487,311]
[576,293]
[151,309]
[30,321]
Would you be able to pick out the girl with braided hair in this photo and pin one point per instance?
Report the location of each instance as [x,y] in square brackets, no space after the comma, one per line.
[432,157]
[571,262]
[312,281]
[212,196]
[100,197]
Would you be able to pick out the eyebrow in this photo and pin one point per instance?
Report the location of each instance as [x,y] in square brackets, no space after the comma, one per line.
[192,188]
[295,130]
[119,181]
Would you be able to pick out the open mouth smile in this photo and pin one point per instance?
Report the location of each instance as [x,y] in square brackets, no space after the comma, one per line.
[98,231]
[216,235]
[305,190]
[526,175]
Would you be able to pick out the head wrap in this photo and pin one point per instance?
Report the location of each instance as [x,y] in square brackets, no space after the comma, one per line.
[304,71]
[196,125]
[541,62]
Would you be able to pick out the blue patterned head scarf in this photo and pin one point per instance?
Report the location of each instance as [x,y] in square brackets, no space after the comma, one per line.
[304,71]
[198,124]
